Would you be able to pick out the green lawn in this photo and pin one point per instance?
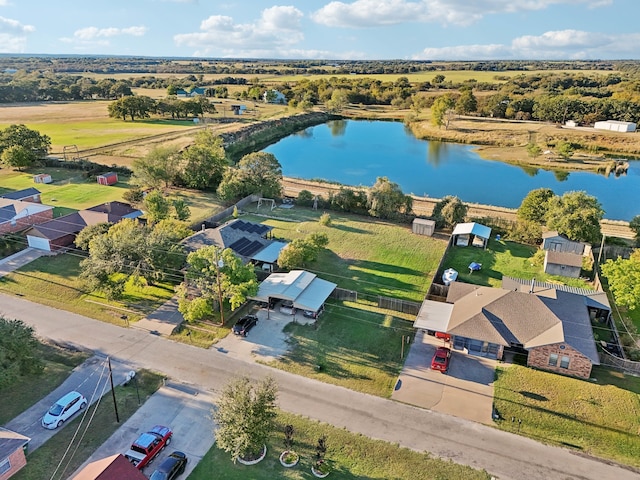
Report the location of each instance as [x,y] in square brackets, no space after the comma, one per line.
[369,256]
[501,258]
[352,457]
[54,281]
[42,462]
[600,418]
[29,389]
[350,347]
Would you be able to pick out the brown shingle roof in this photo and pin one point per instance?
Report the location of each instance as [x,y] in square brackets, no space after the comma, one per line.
[564,258]
[115,467]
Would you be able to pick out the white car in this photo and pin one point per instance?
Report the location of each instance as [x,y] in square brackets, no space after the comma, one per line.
[287,308]
[63,410]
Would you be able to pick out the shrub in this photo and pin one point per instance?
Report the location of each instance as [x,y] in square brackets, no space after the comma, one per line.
[325,220]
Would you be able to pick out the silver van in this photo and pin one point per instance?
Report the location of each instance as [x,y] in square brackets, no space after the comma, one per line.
[63,409]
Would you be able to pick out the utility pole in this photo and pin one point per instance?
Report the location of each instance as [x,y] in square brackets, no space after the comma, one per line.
[113,392]
[219,265]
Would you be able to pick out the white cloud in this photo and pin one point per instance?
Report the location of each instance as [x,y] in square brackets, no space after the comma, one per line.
[4,3]
[91,33]
[277,28]
[13,35]
[371,13]
[561,44]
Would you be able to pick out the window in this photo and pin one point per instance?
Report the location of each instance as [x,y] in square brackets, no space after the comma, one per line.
[564,362]
[553,359]
[5,466]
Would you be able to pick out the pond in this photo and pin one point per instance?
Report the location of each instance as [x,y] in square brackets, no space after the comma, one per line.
[356,152]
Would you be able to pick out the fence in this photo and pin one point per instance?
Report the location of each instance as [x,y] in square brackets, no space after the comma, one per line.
[229,211]
[398,305]
[627,366]
[342,294]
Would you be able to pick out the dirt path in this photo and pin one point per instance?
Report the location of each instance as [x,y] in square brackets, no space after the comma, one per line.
[424,206]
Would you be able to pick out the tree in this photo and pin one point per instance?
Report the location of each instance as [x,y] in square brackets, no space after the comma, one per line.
[31,140]
[87,233]
[204,162]
[441,111]
[634,225]
[466,103]
[565,150]
[302,251]
[18,157]
[534,150]
[535,205]
[215,274]
[19,352]
[258,172]
[245,417]
[339,100]
[132,107]
[624,279]
[386,199]
[576,215]
[449,211]
[156,206]
[181,209]
[160,166]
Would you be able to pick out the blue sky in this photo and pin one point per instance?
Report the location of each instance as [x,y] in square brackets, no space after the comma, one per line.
[325,29]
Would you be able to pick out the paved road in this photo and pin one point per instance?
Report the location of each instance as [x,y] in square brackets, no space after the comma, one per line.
[504,455]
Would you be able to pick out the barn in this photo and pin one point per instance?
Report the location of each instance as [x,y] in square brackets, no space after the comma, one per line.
[615,126]
[110,178]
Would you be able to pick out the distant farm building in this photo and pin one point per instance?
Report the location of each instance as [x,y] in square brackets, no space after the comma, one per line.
[110,178]
[615,126]
[238,109]
[42,178]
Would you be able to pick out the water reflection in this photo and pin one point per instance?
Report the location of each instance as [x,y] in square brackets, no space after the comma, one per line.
[561,175]
[337,127]
[437,152]
[306,133]
[530,171]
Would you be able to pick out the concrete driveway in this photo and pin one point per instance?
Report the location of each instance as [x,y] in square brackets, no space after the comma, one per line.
[465,391]
[87,378]
[264,342]
[20,259]
[186,410]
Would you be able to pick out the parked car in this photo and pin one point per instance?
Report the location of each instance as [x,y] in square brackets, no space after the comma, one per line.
[171,467]
[245,324]
[443,336]
[63,410]
[148,445]
[287,307]
[440,360]
[312,314]
[270,304]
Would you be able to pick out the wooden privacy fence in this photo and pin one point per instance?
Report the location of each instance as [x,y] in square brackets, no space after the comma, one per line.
[627,366]
[343,294]
[398,305]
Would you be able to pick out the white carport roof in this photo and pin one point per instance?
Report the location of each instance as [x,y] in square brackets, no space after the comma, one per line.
[304,289]
[270,253]
[477,229]
[434,316]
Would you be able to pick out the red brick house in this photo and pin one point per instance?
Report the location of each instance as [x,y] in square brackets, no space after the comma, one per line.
[26,195]
[16,215]
[549,323]
[12,452]
[115,467]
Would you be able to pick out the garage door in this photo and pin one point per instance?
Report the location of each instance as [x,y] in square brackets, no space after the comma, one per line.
[39,243]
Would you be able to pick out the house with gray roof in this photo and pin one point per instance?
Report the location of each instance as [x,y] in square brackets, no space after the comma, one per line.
[16,215]
[548,323]
[27,195]
[12,452]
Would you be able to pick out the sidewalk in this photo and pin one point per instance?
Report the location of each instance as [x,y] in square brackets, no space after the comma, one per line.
[19,259]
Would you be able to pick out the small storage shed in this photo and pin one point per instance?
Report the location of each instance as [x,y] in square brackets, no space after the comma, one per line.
[422,226]
[42,178]
[565,264]
[110,178]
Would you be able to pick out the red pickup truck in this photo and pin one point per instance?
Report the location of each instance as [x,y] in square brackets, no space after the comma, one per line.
[148,445]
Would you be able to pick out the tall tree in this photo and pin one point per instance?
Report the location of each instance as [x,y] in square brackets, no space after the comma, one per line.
[467,102]
[624,279]
[534,150]
[535,205]
[156,206]
[19,351]
[449,211]
[302,251]
[18,157]
[159,167]
[31,140]
[258,172]
[245,417]
[441,111]
[576,215]
[386,199]
[204,162]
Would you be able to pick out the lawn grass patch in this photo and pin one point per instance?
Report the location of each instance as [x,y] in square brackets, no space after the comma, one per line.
[367,255]
[599,418]
[502,258]
[352,456]
[42,462]
[350,347]
[55,281]
[58,364]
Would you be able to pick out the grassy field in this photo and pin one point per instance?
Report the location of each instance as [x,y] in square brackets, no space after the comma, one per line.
[601,418]
[501,258]
[54,281]
[364,254]
[351,456]
[58,364]
[349,346]
[42,462]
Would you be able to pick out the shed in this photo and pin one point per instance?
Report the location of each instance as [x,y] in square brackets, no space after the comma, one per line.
[566,264]
[422,226]
[560,243]
[12,452]
[110,178]
[615,126]
[476,234]
[42,178]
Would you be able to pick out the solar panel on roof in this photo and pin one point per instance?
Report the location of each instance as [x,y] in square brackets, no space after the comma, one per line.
[250,249]
[239,244]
